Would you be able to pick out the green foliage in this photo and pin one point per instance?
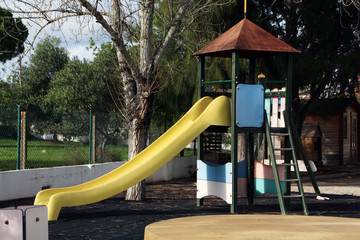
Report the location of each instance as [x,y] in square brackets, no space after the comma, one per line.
[5,93]
[13,34]
[82,85]
[47,59]
[177,75]
[318,30]
[73,88]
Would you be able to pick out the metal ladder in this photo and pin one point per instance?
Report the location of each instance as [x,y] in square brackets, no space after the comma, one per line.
[284,195]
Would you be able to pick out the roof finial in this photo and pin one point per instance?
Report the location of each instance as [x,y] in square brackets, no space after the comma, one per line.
[245,1]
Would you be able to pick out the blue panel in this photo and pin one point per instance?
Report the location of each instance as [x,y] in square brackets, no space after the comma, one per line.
[249,105]
[243,169]
[219,173]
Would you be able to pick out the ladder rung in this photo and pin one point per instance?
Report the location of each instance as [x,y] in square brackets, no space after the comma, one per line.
[286,164]
[282,149]
[291,180]
[293,196]
[279,134]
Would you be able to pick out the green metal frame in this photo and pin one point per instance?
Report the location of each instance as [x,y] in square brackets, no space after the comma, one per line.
[273,163]
[199,142]
[234,130]
[18,138]
[250,141]
[222,81]
[90,137]
[296,166]
[303,154]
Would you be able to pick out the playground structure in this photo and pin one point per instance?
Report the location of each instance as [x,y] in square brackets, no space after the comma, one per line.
[250,117]
[245,114]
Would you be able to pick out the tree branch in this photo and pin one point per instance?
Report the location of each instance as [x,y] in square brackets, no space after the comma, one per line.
[146,30]
[175,24]
[114,37]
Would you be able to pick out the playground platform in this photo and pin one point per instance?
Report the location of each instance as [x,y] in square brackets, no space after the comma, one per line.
[116,218]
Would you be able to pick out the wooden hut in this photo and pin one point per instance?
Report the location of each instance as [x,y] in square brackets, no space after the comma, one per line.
[311,138]
[338,120]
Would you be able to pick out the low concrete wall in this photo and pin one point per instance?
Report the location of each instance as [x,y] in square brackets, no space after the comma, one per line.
[176,168]
[27,183]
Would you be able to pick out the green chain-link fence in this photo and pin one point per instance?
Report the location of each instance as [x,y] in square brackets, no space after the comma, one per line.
[8,137]
[57,138]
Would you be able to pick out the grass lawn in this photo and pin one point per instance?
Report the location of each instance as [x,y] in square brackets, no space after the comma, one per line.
[50,154]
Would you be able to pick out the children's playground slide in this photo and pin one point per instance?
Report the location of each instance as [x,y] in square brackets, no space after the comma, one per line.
[204,113]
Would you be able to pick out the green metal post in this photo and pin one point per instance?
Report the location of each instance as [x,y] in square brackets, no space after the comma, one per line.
[289,85]
[293,126]
[250,140]
[199,142]
[90,138]
[18,138]
[303,154]
[201,76]
[296,166]
[234,132]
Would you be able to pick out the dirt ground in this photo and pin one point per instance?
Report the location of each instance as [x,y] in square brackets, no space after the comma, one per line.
[116,218]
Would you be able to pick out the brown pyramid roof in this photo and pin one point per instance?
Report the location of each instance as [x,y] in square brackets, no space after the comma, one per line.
[249,39]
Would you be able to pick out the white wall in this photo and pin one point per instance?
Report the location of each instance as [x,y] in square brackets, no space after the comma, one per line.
[27,183]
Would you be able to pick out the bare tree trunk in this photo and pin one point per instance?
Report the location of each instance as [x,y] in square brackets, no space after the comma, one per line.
[138,133]
[242,147]
[138,81]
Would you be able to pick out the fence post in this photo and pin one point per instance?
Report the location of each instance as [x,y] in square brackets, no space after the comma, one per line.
[92,146]
[23,147]
[18,138]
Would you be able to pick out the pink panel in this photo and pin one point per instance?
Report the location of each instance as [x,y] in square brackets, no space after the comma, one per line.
[265,171]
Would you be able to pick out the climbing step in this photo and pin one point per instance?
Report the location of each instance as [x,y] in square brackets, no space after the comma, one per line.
[287,133]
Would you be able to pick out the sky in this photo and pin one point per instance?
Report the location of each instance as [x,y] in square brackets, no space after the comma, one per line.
[73,38]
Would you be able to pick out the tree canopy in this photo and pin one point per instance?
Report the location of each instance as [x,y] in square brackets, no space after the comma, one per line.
[13,34]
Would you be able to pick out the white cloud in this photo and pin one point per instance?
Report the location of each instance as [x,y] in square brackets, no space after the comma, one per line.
[80,51]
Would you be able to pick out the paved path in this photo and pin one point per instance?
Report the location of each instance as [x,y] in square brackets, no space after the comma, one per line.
[341,182]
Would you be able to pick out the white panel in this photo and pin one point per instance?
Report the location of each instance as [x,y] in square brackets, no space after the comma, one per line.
[275,111]
[211,188]
[275,122]
[36,223]
[282,109]
[11,224]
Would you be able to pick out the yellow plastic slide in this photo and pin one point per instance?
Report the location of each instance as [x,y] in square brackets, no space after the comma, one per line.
[204,113]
